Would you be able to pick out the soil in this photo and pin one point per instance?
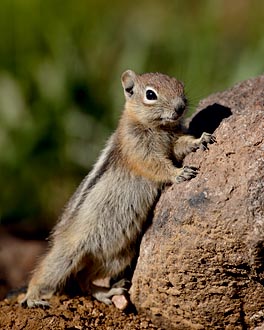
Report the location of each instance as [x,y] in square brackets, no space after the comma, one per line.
[17,259]
[73,313]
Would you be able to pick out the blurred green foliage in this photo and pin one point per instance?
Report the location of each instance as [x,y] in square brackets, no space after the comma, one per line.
[60,93]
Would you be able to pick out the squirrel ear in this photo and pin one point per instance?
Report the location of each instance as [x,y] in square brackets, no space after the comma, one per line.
[128,82]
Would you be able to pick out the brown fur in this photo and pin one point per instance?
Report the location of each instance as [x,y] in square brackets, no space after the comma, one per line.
[99,229]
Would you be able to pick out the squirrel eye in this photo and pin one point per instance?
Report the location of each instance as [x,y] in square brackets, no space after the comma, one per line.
[151,95]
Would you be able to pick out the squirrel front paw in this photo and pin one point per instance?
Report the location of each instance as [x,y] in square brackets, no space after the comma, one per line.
[187,173]
[205,139]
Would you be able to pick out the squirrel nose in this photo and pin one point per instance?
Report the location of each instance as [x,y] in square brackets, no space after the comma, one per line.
[179,109]
[180,105]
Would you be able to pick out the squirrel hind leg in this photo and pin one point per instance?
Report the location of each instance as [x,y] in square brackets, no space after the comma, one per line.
[51,274]
[34,299]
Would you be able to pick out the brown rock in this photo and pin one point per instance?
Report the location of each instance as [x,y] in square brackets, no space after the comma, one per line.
[201,260]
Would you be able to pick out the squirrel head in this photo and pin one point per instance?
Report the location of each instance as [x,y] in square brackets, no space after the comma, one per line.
[154,98]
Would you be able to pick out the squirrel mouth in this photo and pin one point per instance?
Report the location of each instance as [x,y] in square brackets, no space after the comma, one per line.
[169,119]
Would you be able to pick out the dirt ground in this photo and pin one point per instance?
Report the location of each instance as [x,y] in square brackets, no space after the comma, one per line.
[65,313]
[17,259]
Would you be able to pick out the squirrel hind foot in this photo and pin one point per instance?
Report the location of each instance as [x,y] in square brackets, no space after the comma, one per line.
[104,294]
[32,303]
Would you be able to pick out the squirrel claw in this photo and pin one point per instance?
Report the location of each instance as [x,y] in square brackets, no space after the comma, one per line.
[34,303]
[205,139]
[188,172]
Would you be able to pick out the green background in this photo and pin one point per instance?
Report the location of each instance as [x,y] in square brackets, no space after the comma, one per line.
[60,92]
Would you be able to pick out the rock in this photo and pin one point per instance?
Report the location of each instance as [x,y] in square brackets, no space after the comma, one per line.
[200,263]
[120,302]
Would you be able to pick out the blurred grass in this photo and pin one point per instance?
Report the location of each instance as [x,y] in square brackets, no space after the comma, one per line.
[60,93]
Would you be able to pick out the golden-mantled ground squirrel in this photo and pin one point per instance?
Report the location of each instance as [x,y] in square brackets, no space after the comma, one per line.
[100,226]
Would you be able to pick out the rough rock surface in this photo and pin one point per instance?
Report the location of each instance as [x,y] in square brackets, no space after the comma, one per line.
[201,260]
